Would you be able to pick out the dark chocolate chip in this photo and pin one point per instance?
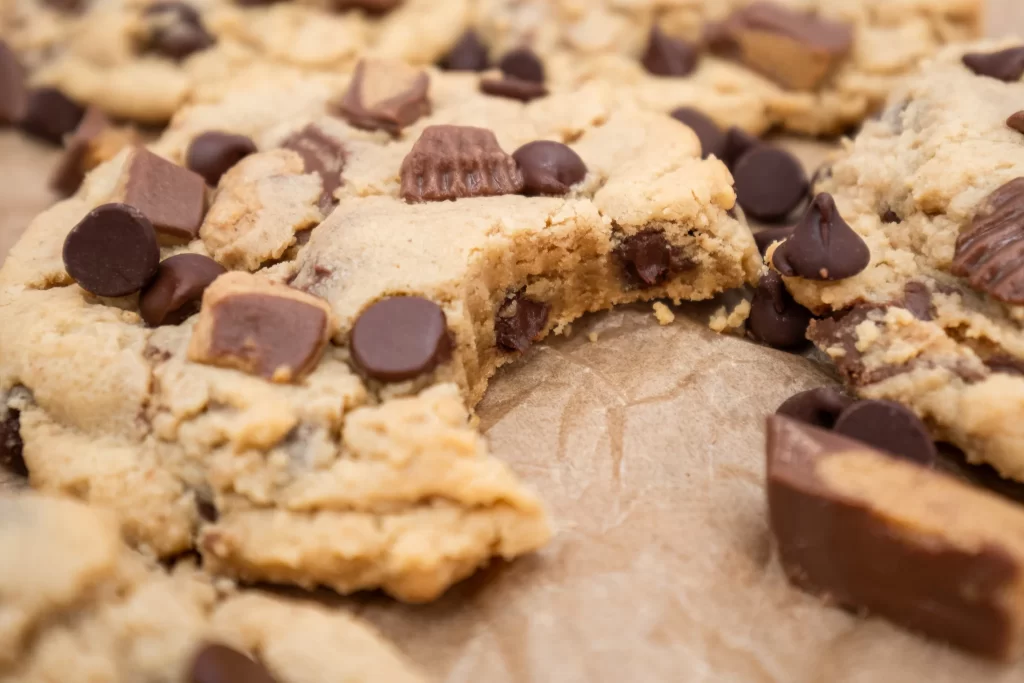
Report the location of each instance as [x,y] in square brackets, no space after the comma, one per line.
[891,217]
[1006,365]
[71,169]
[823,246]
[712,139]
[768,236]
[520,322]
[112,251]
[456,162]
[1005,65]
[917,299]
[400,338]
[990,254]
[513,88]
[737,143]
[172,197]
[522,64]
[820,407]
[385,96]
[50,115]
[222,664]
[207,510]
[647,258]
[374,7]
[176,30]
[13,93]
[548,167]
[211,154]
[667,56]
[323,155]
[177,290]
[468,54]
[770,182]
[1016,121]
[890,427]
[776,319]
[11,446]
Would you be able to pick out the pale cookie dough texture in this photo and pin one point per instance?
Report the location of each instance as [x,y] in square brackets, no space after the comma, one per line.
[79,607]
[98,56]
[339,480]
[911,185]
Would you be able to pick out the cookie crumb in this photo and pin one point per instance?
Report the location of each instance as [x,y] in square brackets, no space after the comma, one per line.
[726,322]
[663,313]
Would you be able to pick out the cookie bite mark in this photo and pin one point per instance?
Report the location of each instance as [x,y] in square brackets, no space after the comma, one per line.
[261,328]
[458,162]
[386,96]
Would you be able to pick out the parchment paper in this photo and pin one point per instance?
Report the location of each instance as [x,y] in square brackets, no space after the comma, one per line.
[647,445]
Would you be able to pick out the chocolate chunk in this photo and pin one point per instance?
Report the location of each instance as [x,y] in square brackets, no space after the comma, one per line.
[172,197]
[400,338]
[917,299]
[890,427]
[456,162]
[712,139]
[667,56]
[1005,65]
[1007,365]
[175,293]
[819,407]
[385,96]
[889,537]
[375,7]
[176,30]
[11,446]
[74,163]
[50,115]
[737,143]
[990,254]
[522,64]
[770,182]
[891,217]
[823,246]
[520,322]
[13,93]
[1016,121]
[767,237]
[468,54]
[213,153]
[321,154]
[64,5]
[647,258]
[222,664]
[796,50]
[548,167]
[112,251]
[776,319]
[261,328]
[513,88]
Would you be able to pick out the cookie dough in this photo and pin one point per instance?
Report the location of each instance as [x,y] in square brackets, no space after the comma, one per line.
[752,64]
[933,320]
[79,606]
[428,258]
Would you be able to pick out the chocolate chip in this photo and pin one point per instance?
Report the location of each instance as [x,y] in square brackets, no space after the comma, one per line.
[176,30]
[222,664]
[797,50]
[207,510]
[177,290]
[820,407]
[647,258]
[400,338]
[468,54]
[456,162]
[917,299]
[50,115]
[11,446]
[522,64]
[13,93]
[823,246]
[737,143]
[64,5]
[172,197]
[513,88]
[375,7]
[549,168]
[712,139]
[71,169]
[770,182]
[768,236]
[1005,65]
[321,154]
[890,427]
[385,96]
[667,56]
[519,323]
[776,319]
[990,254]
[213,153]
[1016,121]
[891,217]
[112,251]
[1005,365]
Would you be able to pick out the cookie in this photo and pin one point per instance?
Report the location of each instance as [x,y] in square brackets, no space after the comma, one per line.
[80,606]
[311,423]
[931,317]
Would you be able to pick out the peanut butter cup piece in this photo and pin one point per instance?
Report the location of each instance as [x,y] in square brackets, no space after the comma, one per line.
[113,251]
[823,245]
[172,197]
[457,162]
[400,338]
[385,96]
[990,254]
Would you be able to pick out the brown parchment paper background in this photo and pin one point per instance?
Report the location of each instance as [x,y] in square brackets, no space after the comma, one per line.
[647,445]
